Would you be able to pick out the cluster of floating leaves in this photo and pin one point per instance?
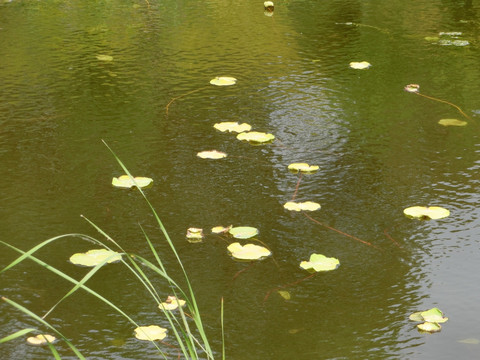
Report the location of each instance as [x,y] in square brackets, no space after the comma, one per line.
[448,38]
[430,319]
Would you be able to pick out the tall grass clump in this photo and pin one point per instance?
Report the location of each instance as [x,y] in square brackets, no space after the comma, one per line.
[185,324]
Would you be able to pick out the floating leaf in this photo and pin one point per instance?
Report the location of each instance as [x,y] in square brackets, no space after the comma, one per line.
[416,316]
[194,234]
[434,315]
[429,327]
[432,38]
[231,126]
[211,154]
[171,303]
[285,294]
[269,6]
[125,181]
[471,341]
[319,262]
[151,333]
[221,229]
[302,167]
[360,65]
[256,137]
[95,257]
[306,206]
[223,81]
[452,122]
[413,88]
[104,57]
[426,213]
[243,232]
[248,251]
[41,339]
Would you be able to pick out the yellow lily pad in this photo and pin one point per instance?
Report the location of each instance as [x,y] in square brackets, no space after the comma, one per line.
[194,234]
[426,212]
[243,232]
[223,81]
[41,339]
[413,88]
[284,294]
[104,57]
[211,154]
[256,137]
[151,333]
[172,303]
[302,167]
[306,206]
[95,257]
[248,251]
[124,181]
[221,229]
[319,262]
[452,122]
[231,126]
[429,327]
[360,65]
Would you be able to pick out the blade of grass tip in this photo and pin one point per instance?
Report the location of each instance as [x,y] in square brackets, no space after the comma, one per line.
[45,323]
[16,335]
[223,329]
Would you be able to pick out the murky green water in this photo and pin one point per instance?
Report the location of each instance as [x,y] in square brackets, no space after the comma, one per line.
[379,149]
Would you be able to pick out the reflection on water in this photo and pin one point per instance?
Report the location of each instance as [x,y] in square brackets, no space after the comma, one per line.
[379,149]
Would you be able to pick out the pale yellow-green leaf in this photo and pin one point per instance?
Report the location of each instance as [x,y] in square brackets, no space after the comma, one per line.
[41,339]
[471,341]
[413,88]
[429,327]
[124,181]
[231,126]
[302,167]
[248,251]
[319,262]
[284,294]
[255,137]
[306,206]
[95,257]
[221,229]
[360,65]
[243,232]
[416,316]
[211,154]
[151,333]
[434,315]
[104,57]
[223,81]
[426,212]
[452,122]
[171,303]
[194,233]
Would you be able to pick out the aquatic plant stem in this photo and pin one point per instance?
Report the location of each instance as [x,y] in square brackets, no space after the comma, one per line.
[287,285]
[341,232]
[179,97]
[391,238]
[445,102]
[296,187]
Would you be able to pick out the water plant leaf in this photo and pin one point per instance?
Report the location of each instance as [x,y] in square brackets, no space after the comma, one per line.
[194,234]
[172,303]
[248,251]
[434,315]
[243,232]
[269,6]
[306,206]
[104,57]
[319,262]
[413,88]
[232,126]
[95,257]
[211,154]
[223,81]
[426,212]
[471,341]
[452,122]
[41,339]
[302,167]
[416,316]
[151,333]
[221,229]
[430,327]
[360,65]
[284,294]
[256,137]
[124,181]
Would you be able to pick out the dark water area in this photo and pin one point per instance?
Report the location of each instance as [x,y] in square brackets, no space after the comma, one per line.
[380,149]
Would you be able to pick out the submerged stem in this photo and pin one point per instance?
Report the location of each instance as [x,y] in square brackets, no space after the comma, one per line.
[179,97]
[445,102]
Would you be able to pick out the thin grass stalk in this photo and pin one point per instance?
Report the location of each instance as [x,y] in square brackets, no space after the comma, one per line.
[223,329]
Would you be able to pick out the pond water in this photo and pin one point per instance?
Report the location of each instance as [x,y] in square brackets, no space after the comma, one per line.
[380,149]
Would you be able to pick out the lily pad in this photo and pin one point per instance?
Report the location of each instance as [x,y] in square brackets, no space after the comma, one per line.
[302,167]
[285,294]
[243,232]
[211,154]
[306,206]
[124,181]
[452,122]
[430,327]
[231,126]
[319,262]
[248,251]
[360,65]
[104,57]
[413,88]
[256,137]
[95,257]
[41,339]
[221,229]
[426,213]
[151,333]
[458,42]
[172,303]
[194,234]
[269,6]
[223,81]
[434,315]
